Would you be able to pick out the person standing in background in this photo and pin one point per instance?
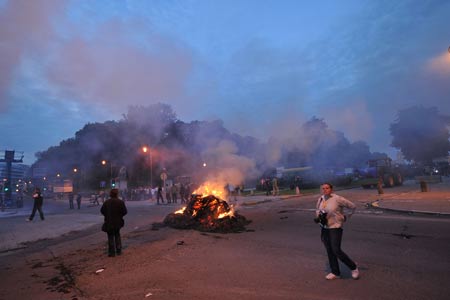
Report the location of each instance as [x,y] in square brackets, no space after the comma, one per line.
[297,182]
[71,200]
[267,186]
[275,190]
[79,200]
[174,191]
[159,195]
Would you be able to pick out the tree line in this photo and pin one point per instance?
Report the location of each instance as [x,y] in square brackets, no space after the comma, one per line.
[182,148]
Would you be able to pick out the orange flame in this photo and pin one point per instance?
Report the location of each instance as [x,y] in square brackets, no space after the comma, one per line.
[211,188]
[180,211]
[230,213]
[207,189]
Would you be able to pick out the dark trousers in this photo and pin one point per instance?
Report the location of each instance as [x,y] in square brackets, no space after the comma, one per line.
[159,196]
[331,238]
[114,242]
[37,207]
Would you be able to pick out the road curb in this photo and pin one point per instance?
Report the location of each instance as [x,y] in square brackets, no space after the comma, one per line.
[8,213]
[375,205]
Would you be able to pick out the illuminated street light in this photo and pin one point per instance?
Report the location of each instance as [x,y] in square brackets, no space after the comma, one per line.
[204,164]
[146,149]
[75,170]
[110,172]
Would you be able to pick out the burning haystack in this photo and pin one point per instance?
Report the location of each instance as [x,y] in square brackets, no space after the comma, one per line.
[207,213]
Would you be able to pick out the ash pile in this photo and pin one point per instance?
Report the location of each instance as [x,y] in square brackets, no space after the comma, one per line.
[207,213]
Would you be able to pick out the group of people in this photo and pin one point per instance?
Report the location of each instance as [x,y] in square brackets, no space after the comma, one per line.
[332,211]
[78,199]
[168,194]
[270,186]
[172,193]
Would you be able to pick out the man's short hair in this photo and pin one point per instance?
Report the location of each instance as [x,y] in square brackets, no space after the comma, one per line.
[114,193]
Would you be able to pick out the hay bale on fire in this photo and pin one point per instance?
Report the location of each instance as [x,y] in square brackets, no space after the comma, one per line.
[207,213]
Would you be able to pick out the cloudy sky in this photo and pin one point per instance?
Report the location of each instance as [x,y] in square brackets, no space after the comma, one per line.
[263,67]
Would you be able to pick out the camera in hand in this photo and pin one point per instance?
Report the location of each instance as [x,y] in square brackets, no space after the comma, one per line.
[321,218]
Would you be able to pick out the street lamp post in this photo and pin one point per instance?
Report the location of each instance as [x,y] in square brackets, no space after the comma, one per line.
[146,149]
[110,170]
[74,180]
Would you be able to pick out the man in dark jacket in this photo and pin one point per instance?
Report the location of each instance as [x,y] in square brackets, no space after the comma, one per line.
[38,201]
[113,210]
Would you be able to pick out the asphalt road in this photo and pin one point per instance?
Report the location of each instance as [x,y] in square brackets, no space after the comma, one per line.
[279,257]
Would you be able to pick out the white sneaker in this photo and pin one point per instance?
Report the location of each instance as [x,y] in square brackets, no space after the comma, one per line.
[331,276]
[355,273]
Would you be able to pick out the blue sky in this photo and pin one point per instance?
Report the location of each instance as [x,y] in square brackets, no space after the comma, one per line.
[263,67]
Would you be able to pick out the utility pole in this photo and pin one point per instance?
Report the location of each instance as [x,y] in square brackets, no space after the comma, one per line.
[146,149]
[9,158]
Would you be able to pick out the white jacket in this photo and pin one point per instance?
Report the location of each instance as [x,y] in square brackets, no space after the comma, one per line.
[334,207]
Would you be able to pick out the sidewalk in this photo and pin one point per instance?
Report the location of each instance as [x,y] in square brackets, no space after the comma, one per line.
[410,199]
[15,231]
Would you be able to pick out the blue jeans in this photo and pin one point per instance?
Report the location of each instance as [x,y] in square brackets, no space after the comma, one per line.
[331,238]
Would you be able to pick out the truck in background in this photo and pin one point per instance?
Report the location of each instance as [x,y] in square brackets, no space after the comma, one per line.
[380,171]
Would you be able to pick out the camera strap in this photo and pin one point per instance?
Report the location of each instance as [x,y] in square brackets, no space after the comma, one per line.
[323,203]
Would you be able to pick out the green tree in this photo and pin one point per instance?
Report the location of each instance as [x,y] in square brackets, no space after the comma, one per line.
[421,133]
